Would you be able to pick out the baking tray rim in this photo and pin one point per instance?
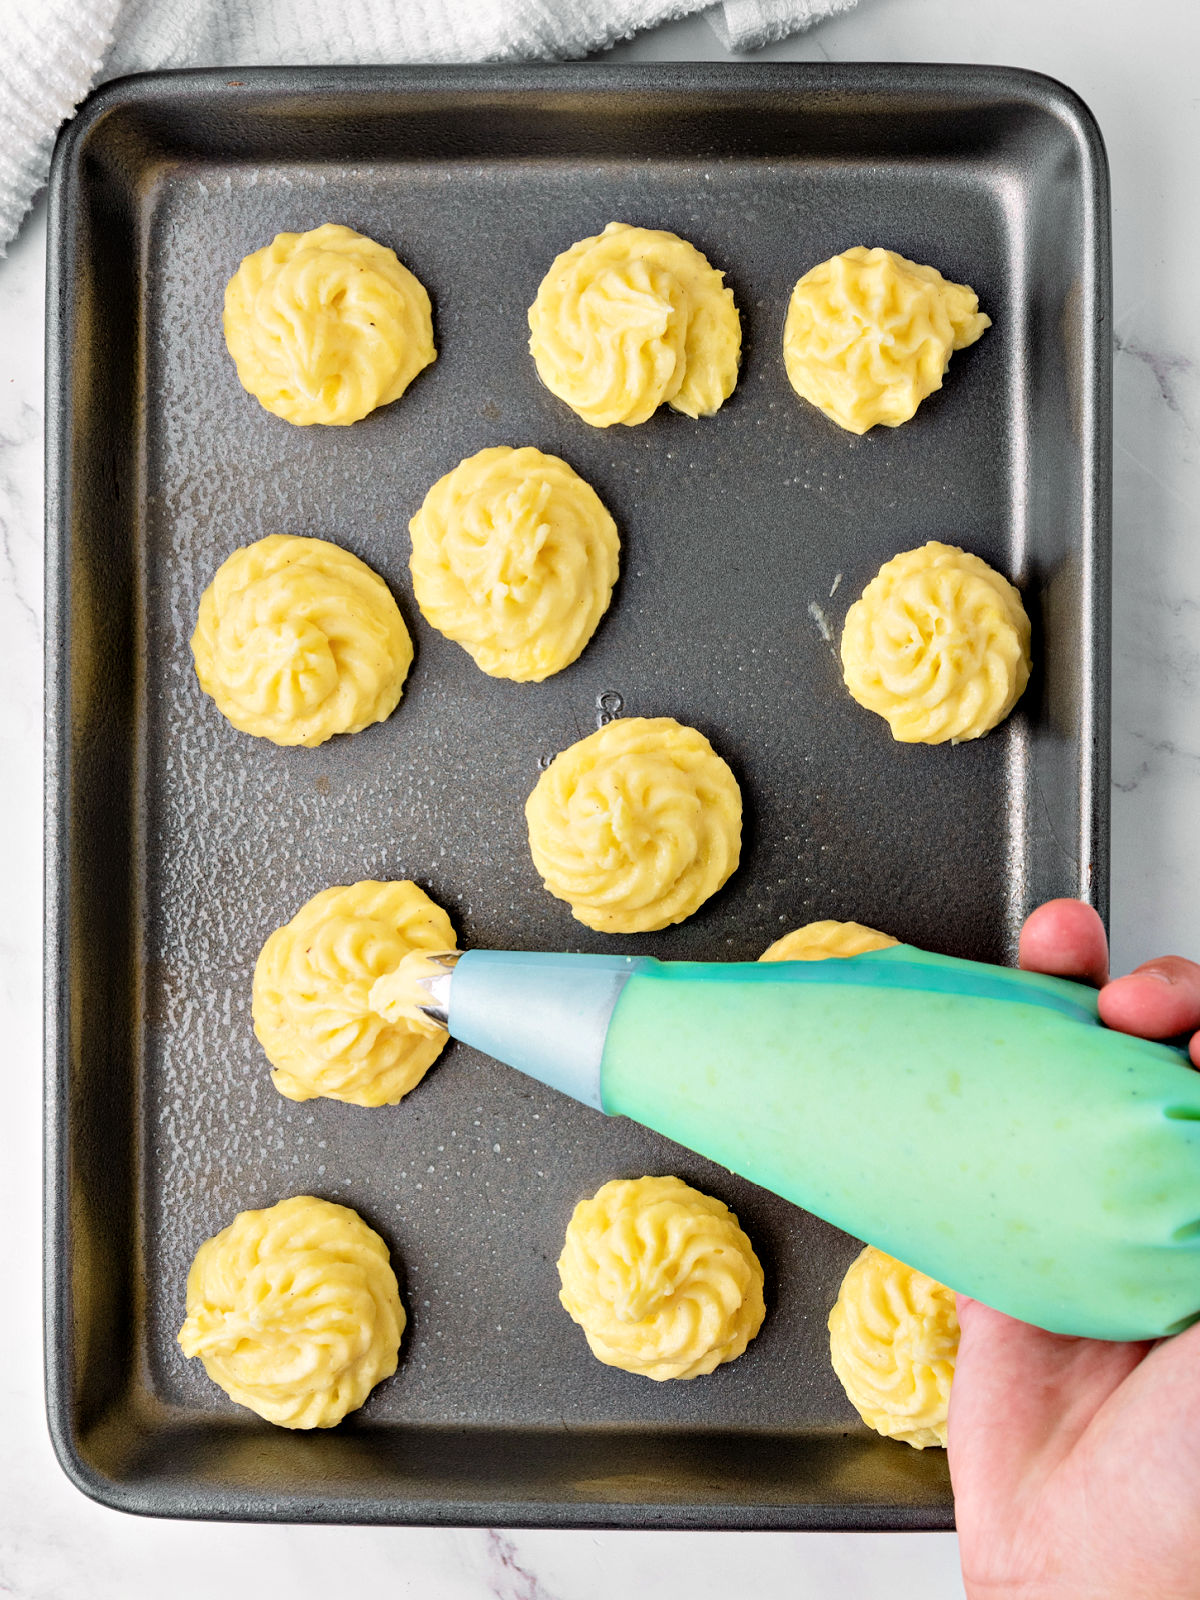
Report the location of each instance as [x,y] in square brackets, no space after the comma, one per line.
[152,1497]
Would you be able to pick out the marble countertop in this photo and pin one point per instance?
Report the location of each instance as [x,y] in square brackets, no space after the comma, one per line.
[1136,71]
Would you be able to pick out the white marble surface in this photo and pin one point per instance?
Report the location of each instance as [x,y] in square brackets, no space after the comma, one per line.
[1135,67]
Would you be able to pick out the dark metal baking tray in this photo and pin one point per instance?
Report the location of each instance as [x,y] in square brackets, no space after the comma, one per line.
[177,844]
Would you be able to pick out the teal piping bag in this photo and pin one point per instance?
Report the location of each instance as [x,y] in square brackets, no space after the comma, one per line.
[978,1122]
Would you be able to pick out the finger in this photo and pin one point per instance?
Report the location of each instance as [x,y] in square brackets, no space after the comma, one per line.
[1066,939]
[1156,1001]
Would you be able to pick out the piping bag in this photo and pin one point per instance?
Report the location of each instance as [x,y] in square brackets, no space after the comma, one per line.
[977,1122]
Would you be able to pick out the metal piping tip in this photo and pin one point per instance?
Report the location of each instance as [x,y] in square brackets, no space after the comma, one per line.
[418,991]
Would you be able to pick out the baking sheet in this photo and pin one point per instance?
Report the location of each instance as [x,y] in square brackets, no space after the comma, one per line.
[177,844]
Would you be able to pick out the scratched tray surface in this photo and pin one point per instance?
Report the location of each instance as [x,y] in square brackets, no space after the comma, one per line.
[179,844]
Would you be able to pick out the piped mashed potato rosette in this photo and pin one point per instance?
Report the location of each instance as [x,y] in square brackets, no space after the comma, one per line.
[869,335]
[636,825]
[295,1312]
[817,941]
[893,1341]
[327,325]
[297,639]
[937,645]
[661,1278]
[632,319]
[514,557]
[312,1004]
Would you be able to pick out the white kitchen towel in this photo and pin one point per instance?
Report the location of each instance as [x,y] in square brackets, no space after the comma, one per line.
[53,51]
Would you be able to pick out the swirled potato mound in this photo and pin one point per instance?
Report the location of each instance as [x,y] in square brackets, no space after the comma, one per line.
[869,335]
[938,645]
[893,1341]
[632,319]
[312,1006]
[636,825]
[661,1278]
[326,325]
[295,1311]
[514,557]
[817,940]
[297,640]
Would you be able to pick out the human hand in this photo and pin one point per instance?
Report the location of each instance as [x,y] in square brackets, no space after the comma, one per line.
[1076,1462]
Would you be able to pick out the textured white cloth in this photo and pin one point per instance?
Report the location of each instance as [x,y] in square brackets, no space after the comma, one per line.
[53,51]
